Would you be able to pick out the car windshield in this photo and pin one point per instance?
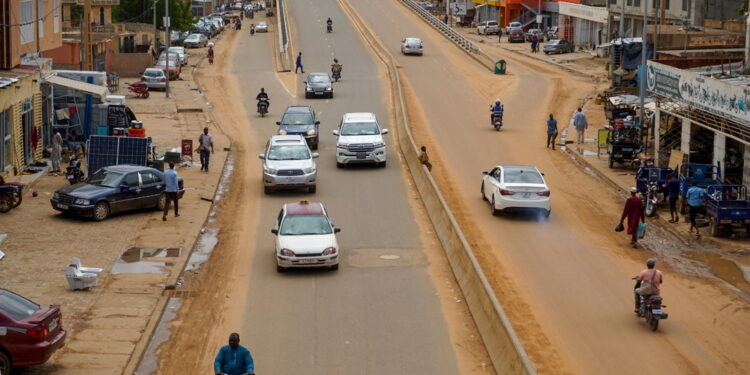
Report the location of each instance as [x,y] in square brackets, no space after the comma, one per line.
[288,152]
[319,78]
[15,306]
[492,23]
[262,24]
[164,63]
[297,119]
[103,177]
[553,42]
[300,225]
[515,175]
[193,36]
[412,41]
[360,128]
[153,73]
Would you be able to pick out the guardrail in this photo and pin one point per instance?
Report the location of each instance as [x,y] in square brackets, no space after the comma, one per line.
[454,36]
[283,28]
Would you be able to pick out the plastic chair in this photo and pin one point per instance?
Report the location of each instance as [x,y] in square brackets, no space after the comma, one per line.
[78,280]
[77,263]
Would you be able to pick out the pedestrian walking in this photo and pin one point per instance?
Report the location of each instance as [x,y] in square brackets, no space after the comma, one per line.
[499,35]
[634,213]
[171,191]
[581,123]
[56,154]
[299,64]
[694,197]
[206,148]
[672,188]
[534,43]
[551,131]
[424,159]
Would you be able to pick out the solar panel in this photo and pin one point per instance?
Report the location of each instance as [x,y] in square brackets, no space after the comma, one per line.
[104,151]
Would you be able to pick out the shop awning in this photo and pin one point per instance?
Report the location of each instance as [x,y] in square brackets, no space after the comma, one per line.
[72,84]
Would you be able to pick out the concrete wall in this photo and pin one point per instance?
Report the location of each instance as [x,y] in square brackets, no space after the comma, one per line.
[49,40]
[130,64]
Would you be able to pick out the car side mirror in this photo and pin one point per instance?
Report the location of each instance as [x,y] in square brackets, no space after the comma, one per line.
[335,132]
[275,231]
[542,173]
[278,122]
[317,122]
[315,155]
[384,131]
[305,82]
[485,173]
[262,156]
[336,230]
[403,40]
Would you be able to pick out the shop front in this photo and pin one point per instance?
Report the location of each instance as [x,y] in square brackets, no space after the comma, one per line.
[21,141]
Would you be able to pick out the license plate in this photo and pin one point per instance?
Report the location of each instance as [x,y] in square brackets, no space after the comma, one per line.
[52,325]
[289,179]
[361,155]
[62,206]
[526,195]
[70,177]
[318,93]
[656,312]
[618,155]
[308,261]
[627,149]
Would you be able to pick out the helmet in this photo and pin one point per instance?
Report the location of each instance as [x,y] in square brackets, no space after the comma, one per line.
[497,101]
[335,60]
[651,262]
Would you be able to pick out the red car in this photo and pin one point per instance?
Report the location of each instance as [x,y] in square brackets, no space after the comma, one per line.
[173,72]
[29,333]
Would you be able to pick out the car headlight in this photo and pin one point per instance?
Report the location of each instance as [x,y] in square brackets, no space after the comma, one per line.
[56,196]
[311,132]
[84,202]
[343,146]
[309,170]
[270,170]
[379,144]
[329,251]
[309,88]
[286,253]
[329,88]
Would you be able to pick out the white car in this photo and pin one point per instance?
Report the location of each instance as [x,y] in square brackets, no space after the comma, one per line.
[411,46]
[180,51]
[154,78]
[288,164]
[488,27]
[195,41]
[305,237]
[261,27]
[516,186]
[360,140]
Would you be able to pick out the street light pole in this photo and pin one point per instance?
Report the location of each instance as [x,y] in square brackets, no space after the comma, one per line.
[622,19]
[644,50]
[168,40]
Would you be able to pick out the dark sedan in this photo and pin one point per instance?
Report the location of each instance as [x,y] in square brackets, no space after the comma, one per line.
[558,46]
[318,84]
[114,189]
[29,333]
[516,35]
[300,119]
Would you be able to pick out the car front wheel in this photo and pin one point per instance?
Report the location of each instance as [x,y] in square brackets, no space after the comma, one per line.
[101,211]
[5,363]
[494,211]
[162,202]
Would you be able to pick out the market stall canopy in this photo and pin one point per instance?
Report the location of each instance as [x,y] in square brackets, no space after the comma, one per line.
[72,84]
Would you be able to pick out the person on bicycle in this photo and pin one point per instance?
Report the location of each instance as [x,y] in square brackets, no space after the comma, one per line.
[234,359]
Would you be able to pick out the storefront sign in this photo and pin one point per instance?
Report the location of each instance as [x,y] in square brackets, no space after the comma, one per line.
[187,148]
[705,93]
[596,14]
[458,8]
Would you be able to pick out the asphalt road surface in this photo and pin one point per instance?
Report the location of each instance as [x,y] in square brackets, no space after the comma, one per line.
[373,315]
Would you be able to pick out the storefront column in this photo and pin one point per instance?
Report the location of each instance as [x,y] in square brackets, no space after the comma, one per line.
[685,140]
[720,143]
[657,136]
[746,166]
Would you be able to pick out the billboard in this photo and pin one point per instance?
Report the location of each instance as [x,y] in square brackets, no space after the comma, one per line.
[715,96]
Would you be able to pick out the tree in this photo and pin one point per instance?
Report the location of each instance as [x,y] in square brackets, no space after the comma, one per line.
[142,11]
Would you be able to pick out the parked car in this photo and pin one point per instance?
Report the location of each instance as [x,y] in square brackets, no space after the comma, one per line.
[29,333]
[516,186]
[318,84]
[195,41]
[199,30]
[177,38]
[538,32]
[113,189]
[288,164]
[513,25]
[360,140]
[154,78]
[516,35]
[411,46]
[261,27]
[171,66]
[488,27]
[558,46]
[180,51]
[300,119]
[305,237]
[172,56]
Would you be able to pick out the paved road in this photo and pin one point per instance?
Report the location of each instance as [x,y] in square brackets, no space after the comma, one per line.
[372,315]
[571,273]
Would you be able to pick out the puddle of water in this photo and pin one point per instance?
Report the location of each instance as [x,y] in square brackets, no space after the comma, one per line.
[132,261]
[206,244]
[150,362]
[722,268]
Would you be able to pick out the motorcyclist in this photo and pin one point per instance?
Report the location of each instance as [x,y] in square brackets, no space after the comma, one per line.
[336,66]
[263,95]
[252,29]
[649,273]
[234,359]
[329,23]
[496,109]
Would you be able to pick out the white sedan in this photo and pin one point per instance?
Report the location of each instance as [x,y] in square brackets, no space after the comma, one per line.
[305,237]
[411,46]
[516,186]
[261,27]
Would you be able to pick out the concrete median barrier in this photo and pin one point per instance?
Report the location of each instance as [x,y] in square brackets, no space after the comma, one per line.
[505,349]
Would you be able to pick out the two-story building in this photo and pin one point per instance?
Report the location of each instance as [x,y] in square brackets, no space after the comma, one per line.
[28,29]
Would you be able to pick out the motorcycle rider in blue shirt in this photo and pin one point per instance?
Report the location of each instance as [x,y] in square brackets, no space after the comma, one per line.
[497,108]
[234,359]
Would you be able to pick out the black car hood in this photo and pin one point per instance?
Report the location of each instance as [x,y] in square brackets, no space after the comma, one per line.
[316,85]
[84,190]
[296,129]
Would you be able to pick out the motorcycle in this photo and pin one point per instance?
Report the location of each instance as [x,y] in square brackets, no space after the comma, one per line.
[336,71]
[651,309]
[11,196]
[139,89]
[252,30]
[263,107]
[653,198]
[497,120]
[73,172]
[329,28]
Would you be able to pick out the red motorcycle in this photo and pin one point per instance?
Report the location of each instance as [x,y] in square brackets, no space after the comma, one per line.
[139,89]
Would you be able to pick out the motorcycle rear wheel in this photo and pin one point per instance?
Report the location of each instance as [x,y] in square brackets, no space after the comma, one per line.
[654,324]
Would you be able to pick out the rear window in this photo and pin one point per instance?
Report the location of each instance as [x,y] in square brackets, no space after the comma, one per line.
[15,306]
[522,176]
[153,73]
[297,119]
[492,23]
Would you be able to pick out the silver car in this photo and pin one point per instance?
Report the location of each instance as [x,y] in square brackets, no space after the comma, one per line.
[154,78]
[288,164]
[261,27]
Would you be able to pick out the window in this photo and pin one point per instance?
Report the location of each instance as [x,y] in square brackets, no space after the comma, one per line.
[637,3]
[149,178]
[27,121]
[685,5]
[6,153]
[132,180]
[15,306]
[630,3]
[101,15]
[40,17]
[27,21]
[56,17]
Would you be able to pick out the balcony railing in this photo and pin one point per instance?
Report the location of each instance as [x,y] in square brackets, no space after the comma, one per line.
[93,2]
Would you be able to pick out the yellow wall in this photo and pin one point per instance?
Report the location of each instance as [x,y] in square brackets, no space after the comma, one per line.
[12,98]
[497,3]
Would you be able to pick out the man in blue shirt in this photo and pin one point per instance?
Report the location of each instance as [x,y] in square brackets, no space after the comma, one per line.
[171,191]
[673,192]
[497,108]
[694,197]
[551,131]
[234,359]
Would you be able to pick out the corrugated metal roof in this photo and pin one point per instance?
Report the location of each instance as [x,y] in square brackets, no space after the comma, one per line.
[72,84]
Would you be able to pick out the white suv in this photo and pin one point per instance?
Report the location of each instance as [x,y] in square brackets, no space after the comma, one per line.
[488,27]
[288,164]
[360,140]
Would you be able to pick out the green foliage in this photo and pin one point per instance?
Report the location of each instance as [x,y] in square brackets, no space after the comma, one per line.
[742,9]
[142,11]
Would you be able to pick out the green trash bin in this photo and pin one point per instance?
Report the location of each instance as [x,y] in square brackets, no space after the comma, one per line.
[500,67]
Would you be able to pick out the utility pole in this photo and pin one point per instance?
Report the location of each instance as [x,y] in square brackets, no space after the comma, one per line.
[622,19]
[88,63]
[448,12]
[156,32]
[747,38]
[642,75]
[168,40]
